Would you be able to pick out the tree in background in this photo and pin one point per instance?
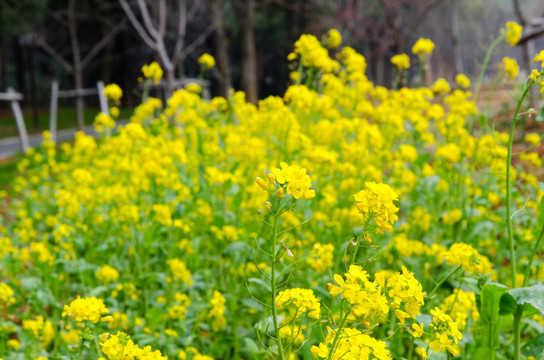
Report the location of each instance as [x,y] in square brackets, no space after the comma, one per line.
[72,20]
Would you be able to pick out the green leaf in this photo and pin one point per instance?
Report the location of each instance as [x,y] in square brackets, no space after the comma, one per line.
[535,347]
[540,221]
[532,295]
[540,115]
[490,307]
[154,317]
[508,304]
[252,347]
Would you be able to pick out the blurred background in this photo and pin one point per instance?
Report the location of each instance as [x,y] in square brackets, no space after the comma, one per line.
[79,42]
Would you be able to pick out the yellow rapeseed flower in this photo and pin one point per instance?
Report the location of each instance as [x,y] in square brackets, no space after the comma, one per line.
[513,32]
[401,61]
[462,80]
[511,67]
[423,46]
[113,92]
[153,71]
[206,60]
[85,309]
[334,39]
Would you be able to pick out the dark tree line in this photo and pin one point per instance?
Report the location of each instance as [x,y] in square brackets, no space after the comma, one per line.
[81,41]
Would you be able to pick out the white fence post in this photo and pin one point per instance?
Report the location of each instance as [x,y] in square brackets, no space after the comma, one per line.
[23,136]
[53,113]
[103,101]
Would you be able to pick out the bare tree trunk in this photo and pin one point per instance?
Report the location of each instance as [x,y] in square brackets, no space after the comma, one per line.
[249,53]
[78,71]
[526,48]
[380,66]
[525,45]
[33,87]
[19,66]
[220,41]
[2,61]
[456,55]
[107,51]
[170,80]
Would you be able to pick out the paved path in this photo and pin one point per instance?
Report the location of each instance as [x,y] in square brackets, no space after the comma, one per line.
[10,147]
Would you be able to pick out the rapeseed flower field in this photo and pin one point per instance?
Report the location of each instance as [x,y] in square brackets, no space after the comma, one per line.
[343,220]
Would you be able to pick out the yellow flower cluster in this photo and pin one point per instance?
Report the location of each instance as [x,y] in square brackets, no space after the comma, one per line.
[462,80]
[113,92]
[206,60]
[321,257]
[452,217]
[352,345]
[194,354]
[107,274]
[423,46]
[121,347]
[447,334]
[178,310]
[513,33]
[401,61]
[377,202]
[217,312]
[511,67]
[464,255]
[180,271]
[41,328]
[6,295]
[334,39]
[441,86]
[298,302]
[404,289]
[103,121]
[90,309]
[153,71]
[313,54]
[292,179]
[365,296]
[460,305]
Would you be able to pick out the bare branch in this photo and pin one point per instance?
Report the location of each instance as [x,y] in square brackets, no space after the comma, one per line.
[105,40]
[199,40]
[53,53]
[147,20]
[182,27]
[192,11]
[139,28]
[162,18]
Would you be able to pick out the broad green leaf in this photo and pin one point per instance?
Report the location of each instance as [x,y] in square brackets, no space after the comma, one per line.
[252,347]
[154,317]
[532,295]
[535,347]
[490,306]
[508,304]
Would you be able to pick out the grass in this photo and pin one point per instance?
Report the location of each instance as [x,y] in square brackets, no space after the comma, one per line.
[8,170]
[66,119]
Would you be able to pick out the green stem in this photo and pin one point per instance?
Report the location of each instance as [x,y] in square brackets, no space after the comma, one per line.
[273,286]
[518,315]
[337,335]
[535,249]
[81,346]
[411,349]
[517,333]
[354,256]
[490,49]
[442,281]
[509,185]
